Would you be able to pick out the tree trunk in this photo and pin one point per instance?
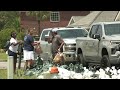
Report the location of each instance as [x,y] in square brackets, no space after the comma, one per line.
[20,56]
[38,27]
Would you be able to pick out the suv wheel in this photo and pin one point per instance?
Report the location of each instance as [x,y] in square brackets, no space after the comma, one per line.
[105,62]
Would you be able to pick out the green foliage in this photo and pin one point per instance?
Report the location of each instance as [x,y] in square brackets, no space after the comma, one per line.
[20,36]
[40,15]
[9,19]
[3,57]
[5,35]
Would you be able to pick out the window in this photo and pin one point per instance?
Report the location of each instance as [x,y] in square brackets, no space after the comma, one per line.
[43,34]
[99,31]
[72,33]
[93,30]
[111,29]
[54,17]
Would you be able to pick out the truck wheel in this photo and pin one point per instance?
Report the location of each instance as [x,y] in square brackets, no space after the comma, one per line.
[105,62]
[81,59]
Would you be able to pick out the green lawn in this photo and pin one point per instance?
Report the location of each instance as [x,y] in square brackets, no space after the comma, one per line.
[3,57]
[19,75]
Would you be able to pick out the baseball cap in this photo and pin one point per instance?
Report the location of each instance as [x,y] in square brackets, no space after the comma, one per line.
[54,30]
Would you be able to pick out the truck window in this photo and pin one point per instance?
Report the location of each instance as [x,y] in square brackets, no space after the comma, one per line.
[93,30]
[85,33]
[44,33]
[73,33]
[111,29]
[99,30]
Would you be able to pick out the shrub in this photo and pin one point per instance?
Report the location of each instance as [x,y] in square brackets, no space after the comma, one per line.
[20,36]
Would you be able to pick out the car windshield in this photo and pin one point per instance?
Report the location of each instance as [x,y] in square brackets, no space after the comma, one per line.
[72,33]
[111,29]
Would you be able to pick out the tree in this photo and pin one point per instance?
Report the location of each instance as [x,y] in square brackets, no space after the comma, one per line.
[9,19]
[40,16]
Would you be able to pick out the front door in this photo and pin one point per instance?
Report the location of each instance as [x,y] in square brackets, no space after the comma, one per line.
[93,44]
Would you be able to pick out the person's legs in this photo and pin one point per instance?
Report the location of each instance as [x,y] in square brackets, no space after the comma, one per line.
[25,52]
[29,63]
[30,59]
[25,65]
[14,62]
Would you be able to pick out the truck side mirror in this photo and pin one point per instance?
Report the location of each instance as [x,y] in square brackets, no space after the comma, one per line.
[97,36]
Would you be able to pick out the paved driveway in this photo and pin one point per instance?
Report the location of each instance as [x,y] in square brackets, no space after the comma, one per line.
[3,65]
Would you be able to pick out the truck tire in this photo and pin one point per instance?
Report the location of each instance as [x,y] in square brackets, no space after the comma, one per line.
[105,62]
[81,59]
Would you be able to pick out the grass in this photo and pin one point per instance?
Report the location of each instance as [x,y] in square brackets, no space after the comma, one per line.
[3,57]
[19,75]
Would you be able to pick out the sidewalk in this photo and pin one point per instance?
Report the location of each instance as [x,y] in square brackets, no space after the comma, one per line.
[3,65]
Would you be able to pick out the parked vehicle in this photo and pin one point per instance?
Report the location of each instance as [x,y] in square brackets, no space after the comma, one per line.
[69,35]
[101,46]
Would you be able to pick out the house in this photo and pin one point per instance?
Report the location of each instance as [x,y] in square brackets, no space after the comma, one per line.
[97,16]
[56,19]
[75,19]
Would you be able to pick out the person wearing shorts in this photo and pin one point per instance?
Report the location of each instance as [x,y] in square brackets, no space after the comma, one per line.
[28,47]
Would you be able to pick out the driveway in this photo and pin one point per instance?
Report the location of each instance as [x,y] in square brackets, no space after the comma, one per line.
[3,65]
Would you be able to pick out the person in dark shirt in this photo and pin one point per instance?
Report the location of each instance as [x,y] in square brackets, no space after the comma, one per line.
[29,49]
[57,43]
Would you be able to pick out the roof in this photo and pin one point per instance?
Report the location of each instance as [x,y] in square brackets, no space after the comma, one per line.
[106,16]
[87,20]
[74,19]
[97,16]
[118,17]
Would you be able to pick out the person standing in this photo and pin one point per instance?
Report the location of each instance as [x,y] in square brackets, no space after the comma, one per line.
[57,43]
[12,51]
[28,49]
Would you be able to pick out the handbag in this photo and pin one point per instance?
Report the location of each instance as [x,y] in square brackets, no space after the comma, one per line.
[58,58]
[38,49]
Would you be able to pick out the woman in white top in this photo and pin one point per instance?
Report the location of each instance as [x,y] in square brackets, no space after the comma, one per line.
[13,48]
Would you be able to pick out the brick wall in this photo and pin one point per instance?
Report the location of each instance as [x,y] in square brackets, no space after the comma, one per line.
[65,16]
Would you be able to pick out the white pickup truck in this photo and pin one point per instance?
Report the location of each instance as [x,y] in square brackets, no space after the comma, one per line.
[69,35]
[101,46]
